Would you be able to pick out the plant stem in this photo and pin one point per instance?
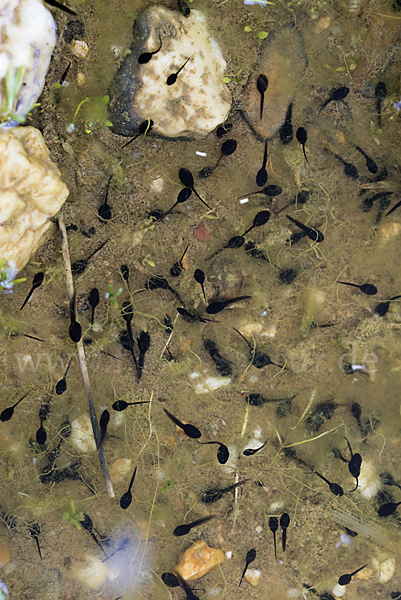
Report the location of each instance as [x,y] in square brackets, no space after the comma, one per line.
[83,366]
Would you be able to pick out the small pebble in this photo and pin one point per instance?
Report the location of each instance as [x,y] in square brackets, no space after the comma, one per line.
[252,576]
[79,48]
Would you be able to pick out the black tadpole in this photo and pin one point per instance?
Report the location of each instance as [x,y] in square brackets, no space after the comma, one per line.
[170,580]
[177,267]
[223,453]
[103,422]
[126,498]
[345,579]
[158,282]
[215,494]
[250,557]
[259,359]
[349,169]
[190,430]
[222,365]
[185,529]
[61,385]
[145,57]
[366,288]
[261,176]
[93,301]
[62,7]
[286,130]
[313,234]
[302,138]
[171,79]
[79,266]
[382,308]
[124,270]
[182,197]
[228,148]
[216,307]
[270,190]
[37,282]
[34,530]
[336,96]
[7,413]
[370,163]
[193,317]
[388,509]
[87,524]
[187,179]
[252,451]
[104,211]
[354,464]
[284,523]
[199,277]
[380,93]
[120,405]
[41,435]
[143,345]
[233,243]
[261,84]
[273,525]
[260,219]
[335,489]
[144,128]
[127,314]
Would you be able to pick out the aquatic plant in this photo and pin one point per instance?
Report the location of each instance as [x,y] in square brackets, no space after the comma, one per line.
[168,483]
[113,295]
[73,517]
[95,114]
[8,272]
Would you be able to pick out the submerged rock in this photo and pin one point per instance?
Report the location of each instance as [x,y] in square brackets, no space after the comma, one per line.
[283,62]
[190,107]
[198,560]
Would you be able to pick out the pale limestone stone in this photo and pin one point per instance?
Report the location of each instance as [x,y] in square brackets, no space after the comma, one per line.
[252,576]
[81,435]
[198,560]
[31,191]
[91,571]
[196,103]
[28,37]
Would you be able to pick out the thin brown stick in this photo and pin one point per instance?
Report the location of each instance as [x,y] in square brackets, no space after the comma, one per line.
[82,364]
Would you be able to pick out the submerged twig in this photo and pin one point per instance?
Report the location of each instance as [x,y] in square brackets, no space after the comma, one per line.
[82,364]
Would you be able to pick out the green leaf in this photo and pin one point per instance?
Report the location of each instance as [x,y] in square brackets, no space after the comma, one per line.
[151,263]
[57,85]
[108,123]
[105,99]
[247,28]
[226,79]
[262,35]
[340,69]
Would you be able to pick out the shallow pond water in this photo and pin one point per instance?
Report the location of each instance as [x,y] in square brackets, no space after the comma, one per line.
[315,329]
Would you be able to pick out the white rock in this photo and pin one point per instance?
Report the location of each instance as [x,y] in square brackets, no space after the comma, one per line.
[370,483]
[79,48]
[339,590]
[28,37]
[157,185]
[196,103]
[92,572]
[385,567]
[252,576]
[31,192]
[81,434]
[211,384]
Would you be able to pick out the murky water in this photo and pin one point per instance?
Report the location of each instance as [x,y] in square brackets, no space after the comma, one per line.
[312,326]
